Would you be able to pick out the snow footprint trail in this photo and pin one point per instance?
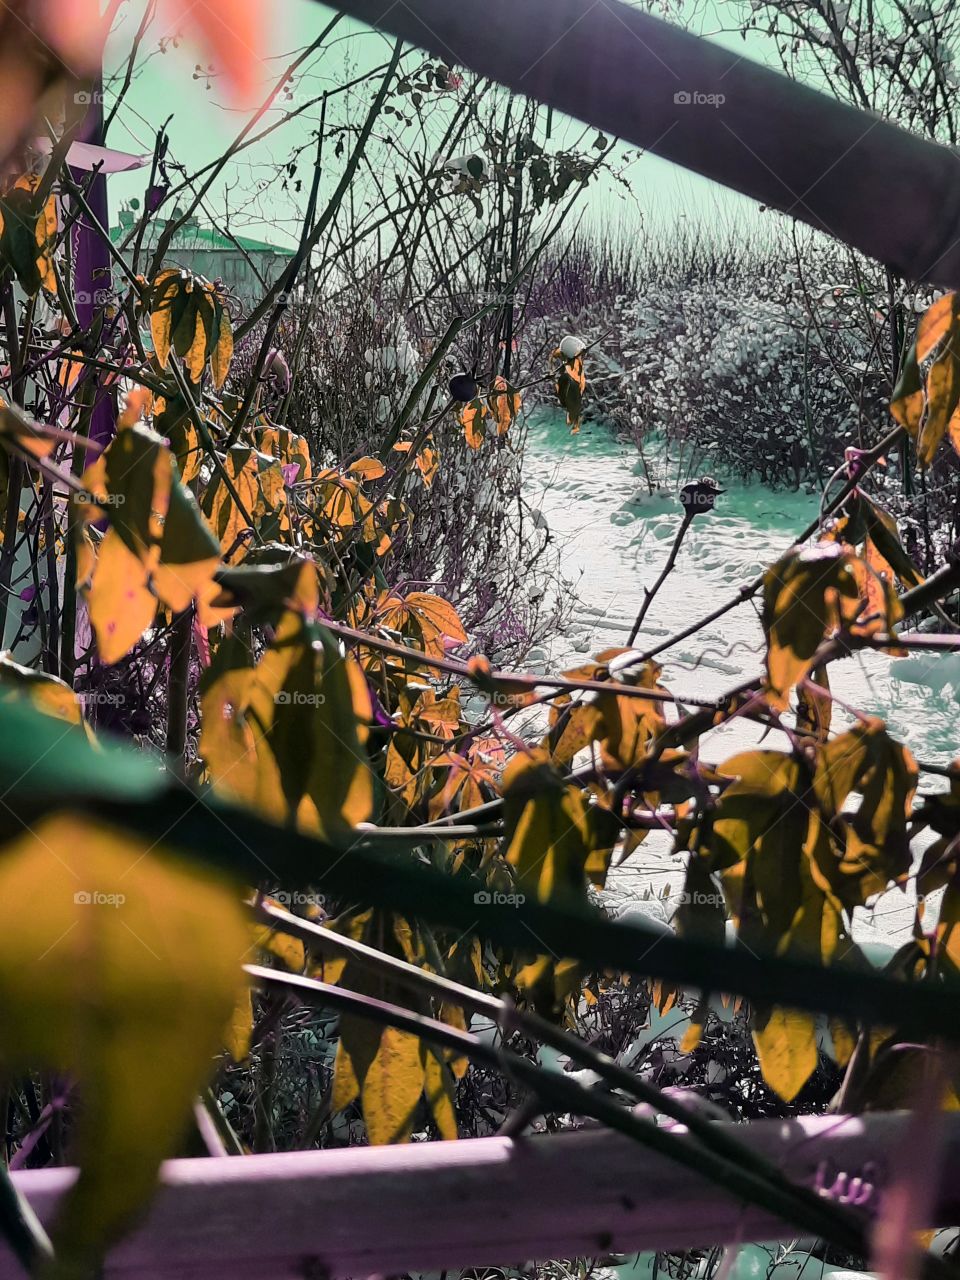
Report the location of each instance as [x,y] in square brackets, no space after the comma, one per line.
[613,538]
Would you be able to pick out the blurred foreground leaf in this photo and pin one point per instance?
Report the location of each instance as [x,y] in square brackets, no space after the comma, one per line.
[120,965]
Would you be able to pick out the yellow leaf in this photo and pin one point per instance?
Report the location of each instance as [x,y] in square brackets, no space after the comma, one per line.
[844,1041]
[166,290]
[121,965]
[178,584]
[120,602]
[293,729]
[935,325]
[631,723]
[453,1016]
[942,399]
[815,706]
[691,1037]
[438,1088]
[196,354]
[381,1066]
[69,370]
[288,448]
[223,350]
[173,420]
[428,462]
[504,404]
[786,1042]
[230,524]
[290,952]
[927,404]
[571,384]
[47,693]
[573,727]
[46,239]
[800,604]
[233,743]
[550,831]
[239,1033]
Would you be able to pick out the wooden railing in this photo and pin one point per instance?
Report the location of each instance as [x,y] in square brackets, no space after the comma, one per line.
[363,1211]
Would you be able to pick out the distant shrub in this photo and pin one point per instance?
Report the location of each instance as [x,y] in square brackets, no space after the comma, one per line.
[728,350]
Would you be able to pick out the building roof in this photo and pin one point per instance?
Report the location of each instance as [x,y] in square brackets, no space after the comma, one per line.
[194,236]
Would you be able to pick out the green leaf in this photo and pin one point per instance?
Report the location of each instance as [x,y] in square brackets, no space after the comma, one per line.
[18,238]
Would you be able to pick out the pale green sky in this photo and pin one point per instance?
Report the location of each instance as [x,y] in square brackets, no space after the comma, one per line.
[203,123]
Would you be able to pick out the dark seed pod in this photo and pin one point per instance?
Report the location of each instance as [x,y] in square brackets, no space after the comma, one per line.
[463,386]
[700,495]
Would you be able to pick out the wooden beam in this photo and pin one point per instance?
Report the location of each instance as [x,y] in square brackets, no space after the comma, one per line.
[491,1201]
[863,180]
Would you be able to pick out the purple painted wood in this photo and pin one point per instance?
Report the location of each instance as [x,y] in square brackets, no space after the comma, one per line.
[92,270]
[364,1211]
[876,187]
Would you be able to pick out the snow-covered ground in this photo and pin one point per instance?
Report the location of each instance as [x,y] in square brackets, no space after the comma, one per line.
[613,539]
